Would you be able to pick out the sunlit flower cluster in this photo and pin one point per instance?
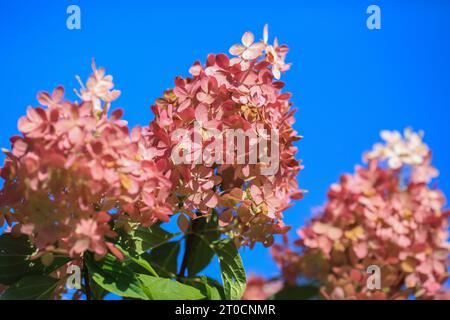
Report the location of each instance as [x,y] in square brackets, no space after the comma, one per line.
[381,215]
[237,94]
[75,169]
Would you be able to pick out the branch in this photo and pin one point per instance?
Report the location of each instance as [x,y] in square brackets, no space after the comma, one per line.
[87,285]
[187,252]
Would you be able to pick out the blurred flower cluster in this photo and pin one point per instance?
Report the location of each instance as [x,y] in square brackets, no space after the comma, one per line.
[258,288]
[386,215]
[75,169]
[243,95]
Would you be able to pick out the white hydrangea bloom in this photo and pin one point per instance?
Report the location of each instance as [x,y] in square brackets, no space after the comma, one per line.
[400,150]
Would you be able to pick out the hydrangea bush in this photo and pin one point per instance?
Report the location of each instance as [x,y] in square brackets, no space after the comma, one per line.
[87,200]
[83,191]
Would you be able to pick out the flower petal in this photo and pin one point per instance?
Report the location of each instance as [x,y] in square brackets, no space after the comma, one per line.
[237,49]
[247,39]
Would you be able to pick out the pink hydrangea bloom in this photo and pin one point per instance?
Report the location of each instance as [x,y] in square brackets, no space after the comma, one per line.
[259,288]
[224,95]
[99,88]
[75,169]
[381,215]
[288,260]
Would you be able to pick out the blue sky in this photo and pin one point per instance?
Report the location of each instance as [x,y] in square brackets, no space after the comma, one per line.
[348,82]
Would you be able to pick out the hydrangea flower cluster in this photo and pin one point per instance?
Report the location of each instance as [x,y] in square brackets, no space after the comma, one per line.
[76,169]
[225,94]
[385,215]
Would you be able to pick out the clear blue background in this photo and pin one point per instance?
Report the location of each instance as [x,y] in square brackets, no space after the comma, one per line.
[347,81]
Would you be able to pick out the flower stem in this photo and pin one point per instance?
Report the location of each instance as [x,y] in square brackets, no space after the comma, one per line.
[188,248]
[87,285]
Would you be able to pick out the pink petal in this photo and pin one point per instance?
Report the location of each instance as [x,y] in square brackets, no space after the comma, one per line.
[34,115]
[222,61]
[361,250]
[134,186]
[148,199]
[226,217]
[246,170]
[203,97]
[44,98]
[117,114]
[260,46]
[201,113]
[256,194]
[76,136]
[97,171]
[276,72]
[116,252]
[58,93]
[247,39]
[251,54]
[19,148]
[237,49]
[25,126]
[297,195]
[211,200]
[81,245]
[183,223]
[266,33]
[195,70]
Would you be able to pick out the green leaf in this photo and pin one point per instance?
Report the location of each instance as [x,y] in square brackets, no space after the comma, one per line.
[143,266]
[138,263]
[213,292]
[148,238]
[167,289]
[202,253]
[31,288]
[59,261]
[209,287]
[165,258]
[231,267]
[15,260]
[297,293]
[115,276]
